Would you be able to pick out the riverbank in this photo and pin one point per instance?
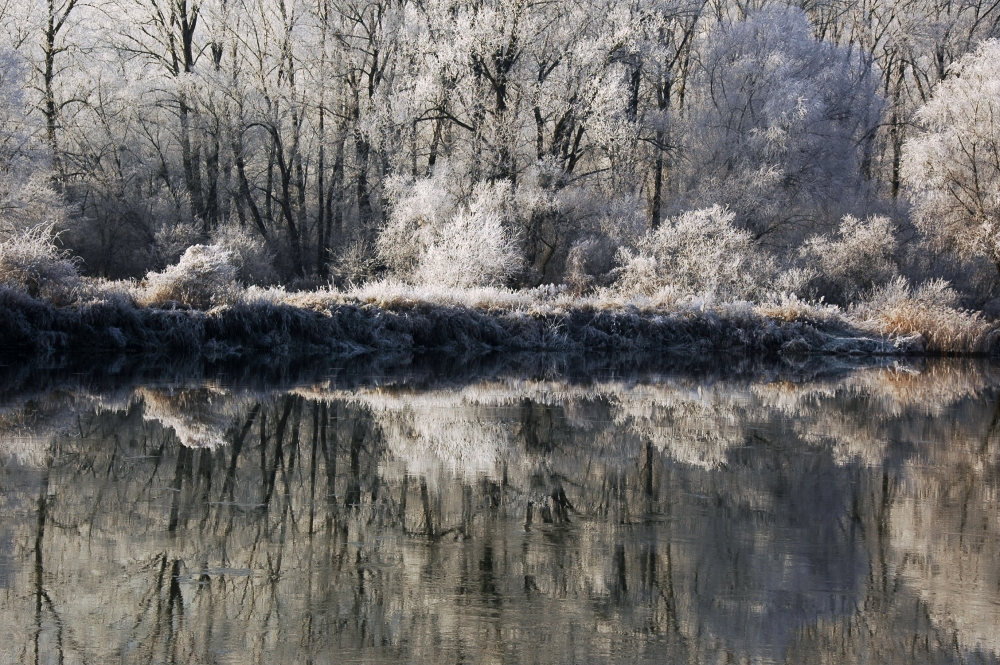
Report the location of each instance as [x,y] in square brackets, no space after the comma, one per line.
[395,318]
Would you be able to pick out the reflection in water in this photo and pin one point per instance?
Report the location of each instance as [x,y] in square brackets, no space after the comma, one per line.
[840,520]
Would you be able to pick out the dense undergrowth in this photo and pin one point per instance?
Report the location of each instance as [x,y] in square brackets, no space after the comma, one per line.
[199,306]
[393,317]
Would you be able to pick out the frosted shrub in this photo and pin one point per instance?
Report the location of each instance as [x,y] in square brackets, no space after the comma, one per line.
[854,260]
[250,257]
[476,248]
[203,277]
[31,262]
[356,263]
[590,260]
[419,209]
[432,240]
[32,204]
[171,240]
[699,252]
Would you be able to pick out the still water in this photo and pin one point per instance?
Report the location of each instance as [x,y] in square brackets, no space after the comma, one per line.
[781,515]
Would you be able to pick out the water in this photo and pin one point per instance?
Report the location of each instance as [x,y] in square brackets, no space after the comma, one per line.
[779,515]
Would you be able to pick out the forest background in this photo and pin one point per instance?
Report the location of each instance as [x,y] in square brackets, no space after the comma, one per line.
[828,152]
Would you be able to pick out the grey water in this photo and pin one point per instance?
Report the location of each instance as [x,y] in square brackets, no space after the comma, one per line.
[765,515]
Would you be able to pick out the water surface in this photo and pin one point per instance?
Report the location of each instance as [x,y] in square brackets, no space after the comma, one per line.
[782,515]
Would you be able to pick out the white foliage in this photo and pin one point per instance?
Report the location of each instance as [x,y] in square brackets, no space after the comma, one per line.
[433,240]
[203,277]
[778,121]
[30,261]
[953,168]
[858,258]
[475,248]
[30,204]
[418,208]
[698,252]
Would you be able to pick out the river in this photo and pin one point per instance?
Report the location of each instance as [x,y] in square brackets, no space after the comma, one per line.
[788,514]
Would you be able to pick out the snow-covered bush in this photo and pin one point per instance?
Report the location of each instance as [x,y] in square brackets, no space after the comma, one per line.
[30,261]
[698,252]
[203,277]
[856,259]
[476,248]
[29,205]
[431,239]
[418,209]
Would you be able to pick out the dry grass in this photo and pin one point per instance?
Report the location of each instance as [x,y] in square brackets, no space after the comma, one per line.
[790,308]
[222,318]
[943,330]
[899,310]
[395,295]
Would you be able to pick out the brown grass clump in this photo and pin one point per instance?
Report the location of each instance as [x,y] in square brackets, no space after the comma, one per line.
[898,310]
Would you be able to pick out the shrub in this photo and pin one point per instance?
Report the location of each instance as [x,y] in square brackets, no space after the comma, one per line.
[31,262]
[855,260]
[356,263]
[418,210]
[432,240]
[899,310]
[31,204]
[476,248]
[249,256]
[203,277]
[699,252]
[590,261]
[171,240]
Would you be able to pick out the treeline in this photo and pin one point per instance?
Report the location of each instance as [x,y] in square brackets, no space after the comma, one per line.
[514,142]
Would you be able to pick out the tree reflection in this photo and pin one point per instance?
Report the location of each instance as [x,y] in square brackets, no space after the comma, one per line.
[844,521]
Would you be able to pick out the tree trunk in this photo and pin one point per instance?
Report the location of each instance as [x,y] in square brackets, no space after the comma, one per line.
[362,152]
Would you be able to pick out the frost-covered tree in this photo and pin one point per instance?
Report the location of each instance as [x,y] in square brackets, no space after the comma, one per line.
[778,124]
[953,168]
[306,125]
